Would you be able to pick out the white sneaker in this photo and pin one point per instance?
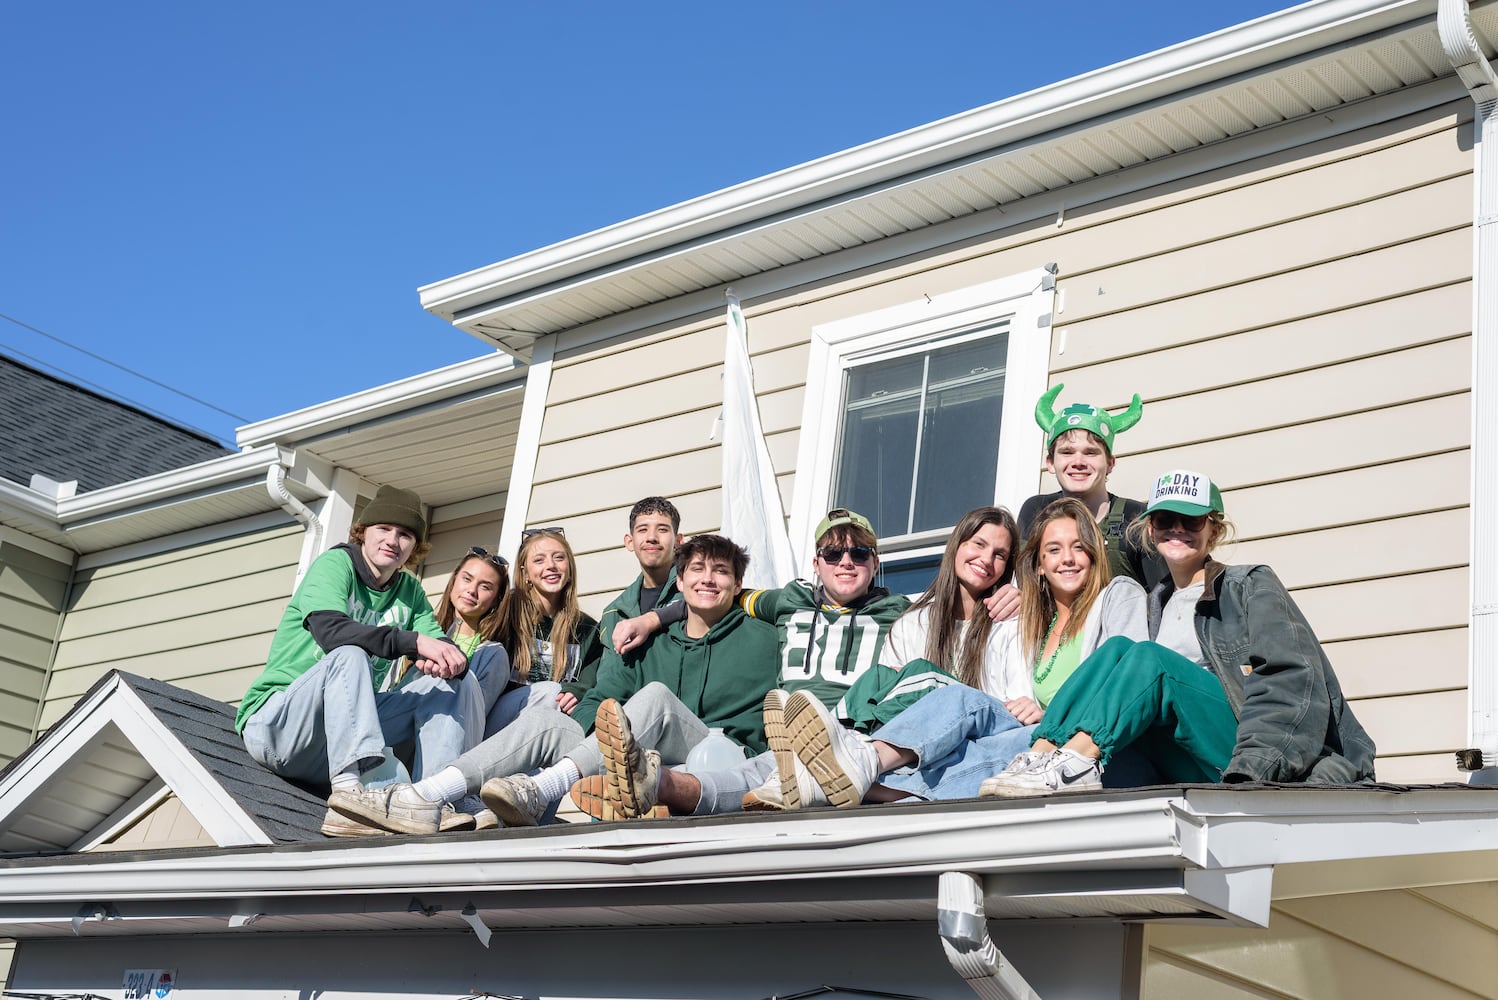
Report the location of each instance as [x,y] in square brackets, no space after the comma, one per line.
[516,800]
[771,797]
[838,761]
[396,808]
[1058,771]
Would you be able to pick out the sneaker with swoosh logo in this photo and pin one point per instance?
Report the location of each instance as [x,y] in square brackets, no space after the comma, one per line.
[1059,771]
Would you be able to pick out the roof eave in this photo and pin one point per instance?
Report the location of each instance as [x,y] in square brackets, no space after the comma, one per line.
[1223,54]
[457,379]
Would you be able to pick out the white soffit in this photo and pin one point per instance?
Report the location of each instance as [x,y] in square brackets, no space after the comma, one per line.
[1289,65]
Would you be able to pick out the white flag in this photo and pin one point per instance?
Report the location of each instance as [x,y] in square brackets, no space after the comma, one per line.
[752,515]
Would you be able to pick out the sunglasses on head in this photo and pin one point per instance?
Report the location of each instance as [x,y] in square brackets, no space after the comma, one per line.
[860,554]
[499,561]
[1165,520]
[555,530]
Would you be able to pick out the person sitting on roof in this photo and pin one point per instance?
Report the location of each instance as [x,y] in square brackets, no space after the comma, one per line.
[330,699]
[831,632]
[1079,453]
[1234,686]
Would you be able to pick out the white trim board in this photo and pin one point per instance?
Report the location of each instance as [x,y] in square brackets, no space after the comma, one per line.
[1025,299]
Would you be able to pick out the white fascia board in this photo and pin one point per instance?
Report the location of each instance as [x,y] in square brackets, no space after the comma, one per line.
[216,811]
[1250,46]
[115,703]
[418,390]
[1139,833]
[23,507]
[150,491]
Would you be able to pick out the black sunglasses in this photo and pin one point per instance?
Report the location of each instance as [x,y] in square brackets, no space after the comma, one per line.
[1165,520]
[860,554]
[483,553]
[528,532]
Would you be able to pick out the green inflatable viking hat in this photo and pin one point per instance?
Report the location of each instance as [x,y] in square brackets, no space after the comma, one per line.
[1082,416]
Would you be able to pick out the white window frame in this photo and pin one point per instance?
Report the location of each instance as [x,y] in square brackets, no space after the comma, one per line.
[1025,299]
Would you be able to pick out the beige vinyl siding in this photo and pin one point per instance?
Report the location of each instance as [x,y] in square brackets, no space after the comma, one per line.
[1371,944]
[32,590]
[1299,325]
[166,825]
[201,616]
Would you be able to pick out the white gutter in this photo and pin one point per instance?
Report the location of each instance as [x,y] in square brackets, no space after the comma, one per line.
[1208,830]
[243,467]
[428,387]
[1461,48]
[1211,58]
[275,485]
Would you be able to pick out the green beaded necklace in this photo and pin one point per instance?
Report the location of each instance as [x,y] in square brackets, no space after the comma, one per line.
[1042,672]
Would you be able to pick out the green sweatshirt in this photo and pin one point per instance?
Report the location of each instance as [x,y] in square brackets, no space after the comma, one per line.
[722,677]
[825,648]
[337,603]
[627,605]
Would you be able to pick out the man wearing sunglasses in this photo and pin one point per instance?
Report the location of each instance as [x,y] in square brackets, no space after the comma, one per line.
[831,631]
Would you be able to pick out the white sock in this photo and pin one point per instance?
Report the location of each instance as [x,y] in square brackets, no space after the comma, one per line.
[348,781]
[555,780]
[447,785]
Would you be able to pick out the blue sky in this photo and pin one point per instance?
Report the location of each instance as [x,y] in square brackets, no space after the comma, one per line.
[240,201]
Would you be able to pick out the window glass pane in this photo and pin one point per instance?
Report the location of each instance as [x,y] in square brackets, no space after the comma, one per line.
[878,445]
[909,576]
[960,436]
[920,436]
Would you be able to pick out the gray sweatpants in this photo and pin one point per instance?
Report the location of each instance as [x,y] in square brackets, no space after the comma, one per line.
[658,720]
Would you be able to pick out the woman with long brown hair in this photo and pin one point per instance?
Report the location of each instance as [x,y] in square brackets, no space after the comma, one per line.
[951,739]
[550,639]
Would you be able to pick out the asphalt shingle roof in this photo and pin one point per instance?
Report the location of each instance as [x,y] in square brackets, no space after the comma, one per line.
[64,432]
[286,812]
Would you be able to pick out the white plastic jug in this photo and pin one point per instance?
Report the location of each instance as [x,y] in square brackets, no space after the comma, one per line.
[387,772]
[716,752]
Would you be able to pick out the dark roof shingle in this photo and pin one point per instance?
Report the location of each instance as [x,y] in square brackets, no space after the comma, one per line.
[64,432]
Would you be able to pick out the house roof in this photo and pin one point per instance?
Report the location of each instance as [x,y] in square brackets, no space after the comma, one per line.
[126,741]
[66,432]
[397,433]
[1207,852]
[958,177]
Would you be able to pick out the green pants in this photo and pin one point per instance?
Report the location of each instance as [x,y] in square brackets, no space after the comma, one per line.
[1171,710]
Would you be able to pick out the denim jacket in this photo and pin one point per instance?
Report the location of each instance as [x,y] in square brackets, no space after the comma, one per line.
[1293,723]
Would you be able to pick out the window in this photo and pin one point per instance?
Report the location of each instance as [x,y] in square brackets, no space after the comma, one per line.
[916,414]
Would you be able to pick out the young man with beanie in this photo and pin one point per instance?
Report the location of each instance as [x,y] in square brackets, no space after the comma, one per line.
[330,699]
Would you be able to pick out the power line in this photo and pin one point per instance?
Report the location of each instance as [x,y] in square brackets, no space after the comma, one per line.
[80,380]
[130,371]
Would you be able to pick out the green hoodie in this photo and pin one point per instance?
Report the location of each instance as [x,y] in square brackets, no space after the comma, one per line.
[721,678]
[627,605]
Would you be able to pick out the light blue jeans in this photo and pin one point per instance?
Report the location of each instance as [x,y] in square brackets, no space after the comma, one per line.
[959,736]
[331,719]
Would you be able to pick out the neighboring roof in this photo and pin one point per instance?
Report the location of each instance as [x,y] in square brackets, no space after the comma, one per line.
[1289,65]
[124,742]
[65,432]
[284,811]
[397,433]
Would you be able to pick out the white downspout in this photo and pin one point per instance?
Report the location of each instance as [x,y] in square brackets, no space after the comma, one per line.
[1459,43]
[275,484]
[962,923]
